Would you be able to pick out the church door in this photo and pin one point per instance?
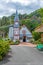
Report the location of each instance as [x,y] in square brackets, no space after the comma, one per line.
[24,38]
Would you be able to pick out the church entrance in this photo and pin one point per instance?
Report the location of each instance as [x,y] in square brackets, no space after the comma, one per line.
[24,38]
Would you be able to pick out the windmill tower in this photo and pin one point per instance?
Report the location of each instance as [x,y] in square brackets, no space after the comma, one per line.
[16,27]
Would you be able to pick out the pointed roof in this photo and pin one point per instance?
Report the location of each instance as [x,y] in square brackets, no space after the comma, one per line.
[27,32]
[16,17]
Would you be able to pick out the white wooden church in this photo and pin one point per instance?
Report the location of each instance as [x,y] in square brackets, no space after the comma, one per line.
[15,33]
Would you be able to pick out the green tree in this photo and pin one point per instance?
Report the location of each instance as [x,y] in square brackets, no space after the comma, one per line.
[36,35]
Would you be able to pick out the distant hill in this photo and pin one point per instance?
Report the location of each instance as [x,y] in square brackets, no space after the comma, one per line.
[32,20]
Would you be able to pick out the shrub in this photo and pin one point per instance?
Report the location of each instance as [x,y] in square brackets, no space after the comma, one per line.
[32,41]
[16,42]
[9,41]
[4,48]
[1,57]
[36,36]
[38,42]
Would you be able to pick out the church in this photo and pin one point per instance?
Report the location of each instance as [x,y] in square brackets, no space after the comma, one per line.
[17,33]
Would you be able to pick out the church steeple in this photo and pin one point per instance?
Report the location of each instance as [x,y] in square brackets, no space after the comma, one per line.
[16,27]
[16,19]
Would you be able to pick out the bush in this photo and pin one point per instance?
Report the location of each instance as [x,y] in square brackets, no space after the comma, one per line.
[38,42]
[4,48]
[32,41]
[14,43]
[11,42]
[17,42]
[36,36]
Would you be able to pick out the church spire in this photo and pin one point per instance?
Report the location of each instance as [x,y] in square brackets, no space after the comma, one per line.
[16,19]
[16,12]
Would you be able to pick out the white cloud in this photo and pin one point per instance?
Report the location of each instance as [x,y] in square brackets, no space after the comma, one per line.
[8,7]
[23,2]
[12,10]
[41,3]
[1,6]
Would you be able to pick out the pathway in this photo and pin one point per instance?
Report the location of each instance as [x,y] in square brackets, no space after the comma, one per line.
[23,55]
[27,44]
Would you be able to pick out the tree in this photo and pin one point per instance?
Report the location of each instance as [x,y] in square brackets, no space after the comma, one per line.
[0,22]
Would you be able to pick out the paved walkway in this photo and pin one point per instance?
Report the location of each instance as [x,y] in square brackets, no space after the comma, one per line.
[27,44]
[23,55]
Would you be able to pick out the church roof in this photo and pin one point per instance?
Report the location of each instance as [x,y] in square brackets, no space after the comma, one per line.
[16,17]
[28,33]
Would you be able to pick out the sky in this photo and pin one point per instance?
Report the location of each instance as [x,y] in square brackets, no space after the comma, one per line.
[8,7]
